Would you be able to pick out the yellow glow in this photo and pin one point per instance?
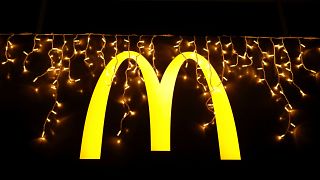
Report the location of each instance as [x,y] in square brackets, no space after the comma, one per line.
[160,97]
[42,139]
[59,104]
[185,77]
[132,113]
[302,93]
[118,141]
[144,97]
[279,138]
[204,126]
[24,69]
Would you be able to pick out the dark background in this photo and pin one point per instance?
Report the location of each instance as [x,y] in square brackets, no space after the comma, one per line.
[216,17]
[254,110]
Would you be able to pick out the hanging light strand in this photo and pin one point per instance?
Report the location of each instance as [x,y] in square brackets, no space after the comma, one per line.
[25,60]
[55,87]
[262,68]
[153,51]
[178,48]
[245,56]
[301,59]
[288,106]
[207,49]
[85,52]
[198,76]
[124,100]
[70,79]
[115,47]
[51,68]
[224,61]
[100,52]
[234,52]
[209,103]
[290,79]
[9,45]
[136,67]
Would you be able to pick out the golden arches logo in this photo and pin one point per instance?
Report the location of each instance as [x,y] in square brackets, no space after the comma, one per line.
[160,102]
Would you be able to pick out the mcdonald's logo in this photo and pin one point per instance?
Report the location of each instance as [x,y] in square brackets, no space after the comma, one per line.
[160,96]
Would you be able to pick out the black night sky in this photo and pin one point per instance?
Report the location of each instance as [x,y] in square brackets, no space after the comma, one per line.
[256,114]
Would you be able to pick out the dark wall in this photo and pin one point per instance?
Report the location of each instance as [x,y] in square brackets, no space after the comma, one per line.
[269,18]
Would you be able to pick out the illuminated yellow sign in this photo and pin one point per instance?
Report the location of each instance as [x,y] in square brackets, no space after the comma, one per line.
[160,101]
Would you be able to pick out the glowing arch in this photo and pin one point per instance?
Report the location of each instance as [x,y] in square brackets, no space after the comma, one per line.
[160,102]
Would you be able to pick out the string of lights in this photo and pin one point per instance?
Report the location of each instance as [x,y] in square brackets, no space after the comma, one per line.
[10,46]
[255,60]
[209,103]
[124,99]
[224,61]
[70,79]
[115,47]
[56,69]
[152,50]
[234,52]
[300,58]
